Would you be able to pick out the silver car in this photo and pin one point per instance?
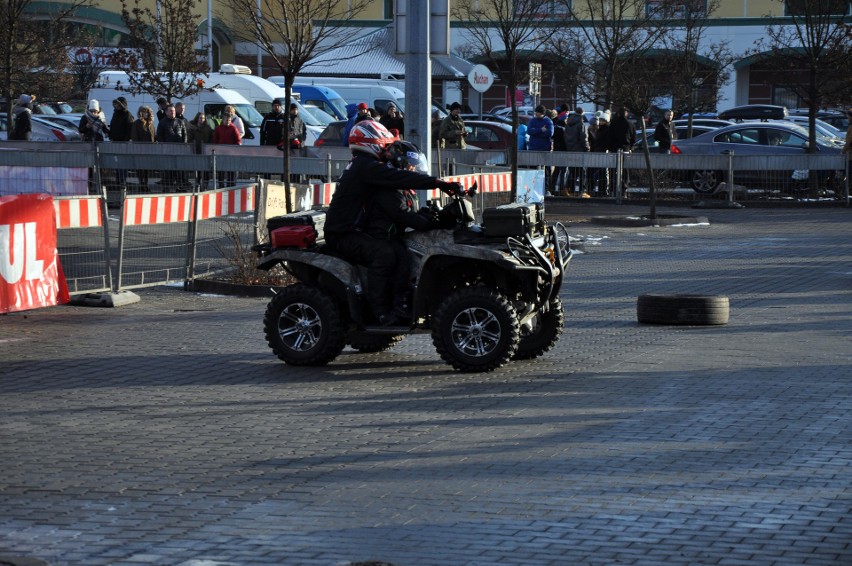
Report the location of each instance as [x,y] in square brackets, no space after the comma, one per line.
[748,138]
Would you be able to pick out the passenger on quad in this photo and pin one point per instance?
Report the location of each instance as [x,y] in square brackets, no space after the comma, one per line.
[366,174]
[389,213]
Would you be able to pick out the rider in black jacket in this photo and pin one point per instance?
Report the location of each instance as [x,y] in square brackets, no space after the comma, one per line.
[390,213]
[366,175]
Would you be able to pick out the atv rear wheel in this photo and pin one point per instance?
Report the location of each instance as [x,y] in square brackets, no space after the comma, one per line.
[475,330]
[368,343]
[303,326]
[543,334]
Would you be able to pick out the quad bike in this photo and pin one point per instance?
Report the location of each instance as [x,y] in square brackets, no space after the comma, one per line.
[487,293]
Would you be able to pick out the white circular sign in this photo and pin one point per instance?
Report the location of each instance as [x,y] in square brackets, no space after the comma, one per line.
[481,78]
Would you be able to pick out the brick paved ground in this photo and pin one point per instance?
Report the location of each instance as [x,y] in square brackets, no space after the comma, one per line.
[166,432]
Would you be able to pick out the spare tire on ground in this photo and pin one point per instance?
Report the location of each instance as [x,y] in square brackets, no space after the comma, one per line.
[683,309]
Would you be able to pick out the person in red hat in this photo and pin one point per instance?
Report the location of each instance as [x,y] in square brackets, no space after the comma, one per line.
[362,113]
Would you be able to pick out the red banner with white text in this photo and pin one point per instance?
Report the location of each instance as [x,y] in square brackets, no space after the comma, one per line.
[30,273]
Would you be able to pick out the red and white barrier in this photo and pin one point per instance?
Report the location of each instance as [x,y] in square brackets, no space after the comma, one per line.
[78,212]
[226,202]
[496,183]
[163,209]
[323,192]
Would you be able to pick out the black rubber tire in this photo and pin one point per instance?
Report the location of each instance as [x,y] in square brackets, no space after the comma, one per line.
[683,309]
[476,330]
[706,181]
[369,343]
[544,334]
[303,326]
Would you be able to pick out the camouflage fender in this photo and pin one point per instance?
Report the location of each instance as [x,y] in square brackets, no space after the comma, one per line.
[341,269]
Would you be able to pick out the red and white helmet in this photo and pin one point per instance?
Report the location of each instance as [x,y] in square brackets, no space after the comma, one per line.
[371,137]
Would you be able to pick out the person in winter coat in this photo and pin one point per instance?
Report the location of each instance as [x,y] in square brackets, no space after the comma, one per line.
[366,174]
[622,136]
[120,130]
[272,127]
[199,132]
[599,139]
[540,131]
[558,176]
[143,132]
[664,133]
[93,125]
[392,120]
[172,129]
[576,140]
[121,125]
[452,129]
[356,114]
[622,132]
[297,133]
[228,134]
[22,119]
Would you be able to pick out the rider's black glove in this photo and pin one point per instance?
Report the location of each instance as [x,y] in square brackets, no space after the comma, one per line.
[430,214]
[451,188]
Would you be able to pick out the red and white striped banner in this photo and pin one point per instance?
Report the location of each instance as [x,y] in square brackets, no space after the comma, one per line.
[496,183]
[226,202]
[323,192]
[78,212]
[140,211]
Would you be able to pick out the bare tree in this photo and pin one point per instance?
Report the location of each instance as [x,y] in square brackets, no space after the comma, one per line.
[33,45]
[813,41]
[163,60]
[697,69]
[293,33]
[505,31]
[609,40]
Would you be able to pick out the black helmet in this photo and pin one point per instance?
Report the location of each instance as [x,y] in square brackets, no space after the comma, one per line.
[404,154]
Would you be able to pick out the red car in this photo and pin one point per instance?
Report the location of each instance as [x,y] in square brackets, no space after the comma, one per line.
[488,135]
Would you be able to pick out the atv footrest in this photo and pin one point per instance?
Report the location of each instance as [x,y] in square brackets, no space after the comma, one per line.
[388,329]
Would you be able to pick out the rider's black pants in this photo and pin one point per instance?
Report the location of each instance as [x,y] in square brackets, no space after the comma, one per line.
[380,259]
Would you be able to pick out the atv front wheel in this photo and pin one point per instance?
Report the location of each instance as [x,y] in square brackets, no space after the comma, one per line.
[303,326]
[369,343]
[475,330]
[543,333]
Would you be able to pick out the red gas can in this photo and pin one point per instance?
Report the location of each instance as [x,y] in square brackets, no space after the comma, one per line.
[293,237]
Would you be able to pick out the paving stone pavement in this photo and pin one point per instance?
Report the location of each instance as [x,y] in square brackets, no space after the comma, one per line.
[166,432]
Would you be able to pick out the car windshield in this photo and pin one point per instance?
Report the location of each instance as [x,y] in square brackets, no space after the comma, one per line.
[821,139]
[251,117]
[322,116]
[339,105]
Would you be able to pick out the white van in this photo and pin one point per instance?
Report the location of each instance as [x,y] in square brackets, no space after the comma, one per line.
[261,92]
[355,91]
[112,84]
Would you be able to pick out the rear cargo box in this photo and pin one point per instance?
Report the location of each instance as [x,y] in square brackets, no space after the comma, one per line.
[303,236]
[517,220]
[313,218]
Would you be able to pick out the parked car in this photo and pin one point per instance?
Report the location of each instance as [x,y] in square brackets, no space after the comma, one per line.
[332,135]
[488,135]
[833,117]
[747,138]
[754,112]
[42,130]
[321,115]
[822,127]
[706,122]
[524,112]
[65,120]
[487,117]
[681,131]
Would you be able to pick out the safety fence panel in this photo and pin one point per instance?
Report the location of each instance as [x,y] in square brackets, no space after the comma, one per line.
[83,243]
[174,237]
